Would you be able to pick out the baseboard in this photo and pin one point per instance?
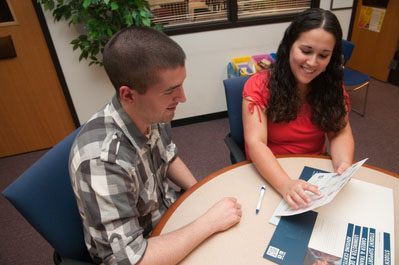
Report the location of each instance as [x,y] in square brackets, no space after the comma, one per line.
[200,118]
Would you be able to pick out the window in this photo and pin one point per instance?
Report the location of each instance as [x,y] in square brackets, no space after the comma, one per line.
[185,16]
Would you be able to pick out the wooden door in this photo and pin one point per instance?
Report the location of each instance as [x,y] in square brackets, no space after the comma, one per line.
[33,111]
[374,50]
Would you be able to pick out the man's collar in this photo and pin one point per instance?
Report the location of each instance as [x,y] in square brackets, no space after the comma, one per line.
[126,124]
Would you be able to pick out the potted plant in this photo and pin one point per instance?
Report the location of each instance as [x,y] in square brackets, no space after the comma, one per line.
[101,19]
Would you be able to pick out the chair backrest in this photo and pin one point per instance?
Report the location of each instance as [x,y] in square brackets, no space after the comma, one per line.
[347,49]
[43,195]
[233,88]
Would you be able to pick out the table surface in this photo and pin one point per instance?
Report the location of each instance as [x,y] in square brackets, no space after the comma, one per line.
[246,242]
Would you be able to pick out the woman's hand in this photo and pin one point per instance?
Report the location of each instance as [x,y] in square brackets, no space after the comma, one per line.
[341,167]
[293,191]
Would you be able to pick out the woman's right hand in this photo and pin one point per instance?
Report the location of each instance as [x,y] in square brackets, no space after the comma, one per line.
[293,191]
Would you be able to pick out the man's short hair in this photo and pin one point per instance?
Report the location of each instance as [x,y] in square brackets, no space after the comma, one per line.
[134,56]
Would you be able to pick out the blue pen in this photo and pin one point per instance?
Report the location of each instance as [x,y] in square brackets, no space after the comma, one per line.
[262,192]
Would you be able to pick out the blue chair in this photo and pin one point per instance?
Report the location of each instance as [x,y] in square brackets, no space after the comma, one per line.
[233,88]
[354,80]
[43,195]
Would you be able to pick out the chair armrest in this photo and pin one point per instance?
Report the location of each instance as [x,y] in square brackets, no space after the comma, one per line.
[74,262]
[58,260]
[236,154]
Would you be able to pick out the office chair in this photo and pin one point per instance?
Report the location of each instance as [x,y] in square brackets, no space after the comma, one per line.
[352,78]
[43,195]
[233,88]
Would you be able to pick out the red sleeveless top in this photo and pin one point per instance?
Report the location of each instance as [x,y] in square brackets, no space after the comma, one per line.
[300,136]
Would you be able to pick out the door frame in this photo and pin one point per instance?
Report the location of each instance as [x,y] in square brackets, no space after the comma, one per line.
[56,62]
[352,22]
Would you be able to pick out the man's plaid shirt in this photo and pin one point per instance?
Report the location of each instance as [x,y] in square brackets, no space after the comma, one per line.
[119,179]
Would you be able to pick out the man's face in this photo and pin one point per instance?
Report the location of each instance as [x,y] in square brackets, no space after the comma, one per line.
[159,102]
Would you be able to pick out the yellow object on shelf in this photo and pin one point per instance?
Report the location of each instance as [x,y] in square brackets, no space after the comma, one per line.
[244,66]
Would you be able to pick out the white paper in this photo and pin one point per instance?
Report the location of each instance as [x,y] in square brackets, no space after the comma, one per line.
[329,185]
[346,243]
[367,207]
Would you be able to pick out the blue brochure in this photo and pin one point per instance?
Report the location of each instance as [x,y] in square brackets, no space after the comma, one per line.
[308,172]
[291,237]
[290,240]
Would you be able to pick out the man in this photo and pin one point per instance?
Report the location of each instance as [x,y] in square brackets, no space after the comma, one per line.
[121,160]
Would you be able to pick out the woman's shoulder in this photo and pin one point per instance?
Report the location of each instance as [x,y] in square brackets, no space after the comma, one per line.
[261,76]
[258,83]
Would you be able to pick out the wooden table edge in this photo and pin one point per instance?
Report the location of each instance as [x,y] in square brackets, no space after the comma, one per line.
[162,222]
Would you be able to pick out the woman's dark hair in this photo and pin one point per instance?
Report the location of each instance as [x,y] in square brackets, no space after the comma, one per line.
[325,93]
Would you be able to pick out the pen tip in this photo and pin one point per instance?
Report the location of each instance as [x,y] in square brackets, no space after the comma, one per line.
[257,211]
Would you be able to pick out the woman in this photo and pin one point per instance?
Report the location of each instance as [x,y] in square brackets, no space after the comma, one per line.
[290,108]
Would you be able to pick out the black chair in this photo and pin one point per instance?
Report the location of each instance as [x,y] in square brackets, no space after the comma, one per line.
[233,88]
[43,195]
[354,80]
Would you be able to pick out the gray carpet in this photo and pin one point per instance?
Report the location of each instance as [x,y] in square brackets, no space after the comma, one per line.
[201,146]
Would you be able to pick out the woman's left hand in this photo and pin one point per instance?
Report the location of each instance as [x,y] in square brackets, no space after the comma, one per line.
[341,167]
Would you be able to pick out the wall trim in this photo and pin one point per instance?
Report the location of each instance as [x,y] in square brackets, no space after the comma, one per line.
[200,118]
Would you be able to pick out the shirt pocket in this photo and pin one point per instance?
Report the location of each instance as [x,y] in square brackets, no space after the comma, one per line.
[110,147]
[169,153]
[148,200]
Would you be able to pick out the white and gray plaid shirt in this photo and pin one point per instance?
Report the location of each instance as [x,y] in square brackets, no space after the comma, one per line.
[120,183]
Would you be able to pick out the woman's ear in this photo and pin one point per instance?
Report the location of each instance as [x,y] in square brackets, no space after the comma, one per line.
[127,94]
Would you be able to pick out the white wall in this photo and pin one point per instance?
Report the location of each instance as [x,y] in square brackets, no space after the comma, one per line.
[208,54]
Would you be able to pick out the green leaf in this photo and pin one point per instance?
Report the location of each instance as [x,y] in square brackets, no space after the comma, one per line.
[86,3]
[158,27]
[92,35]
[95,51]
[114,6]
[150,15]
[146,22]
[83,37]
[106,2]
[84,54]
[75,19]
[49,5]
[143,13]
[109,32]
[135,15]
[129,19]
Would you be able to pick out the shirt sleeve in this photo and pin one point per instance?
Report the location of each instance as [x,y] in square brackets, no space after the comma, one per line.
[346,97]
[256,92]
[108,195]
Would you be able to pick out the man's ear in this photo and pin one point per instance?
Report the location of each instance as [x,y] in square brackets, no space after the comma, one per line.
[127,94]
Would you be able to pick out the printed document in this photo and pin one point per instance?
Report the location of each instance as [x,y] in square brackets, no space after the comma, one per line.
[357,227]
[329,185]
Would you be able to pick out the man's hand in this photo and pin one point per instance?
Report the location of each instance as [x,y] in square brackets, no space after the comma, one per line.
[294,193]
[223,215]
[172,247]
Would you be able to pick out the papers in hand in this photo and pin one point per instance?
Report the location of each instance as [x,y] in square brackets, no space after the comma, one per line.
[329,185]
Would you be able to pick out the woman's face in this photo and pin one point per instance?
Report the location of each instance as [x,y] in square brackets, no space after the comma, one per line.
[310,54]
